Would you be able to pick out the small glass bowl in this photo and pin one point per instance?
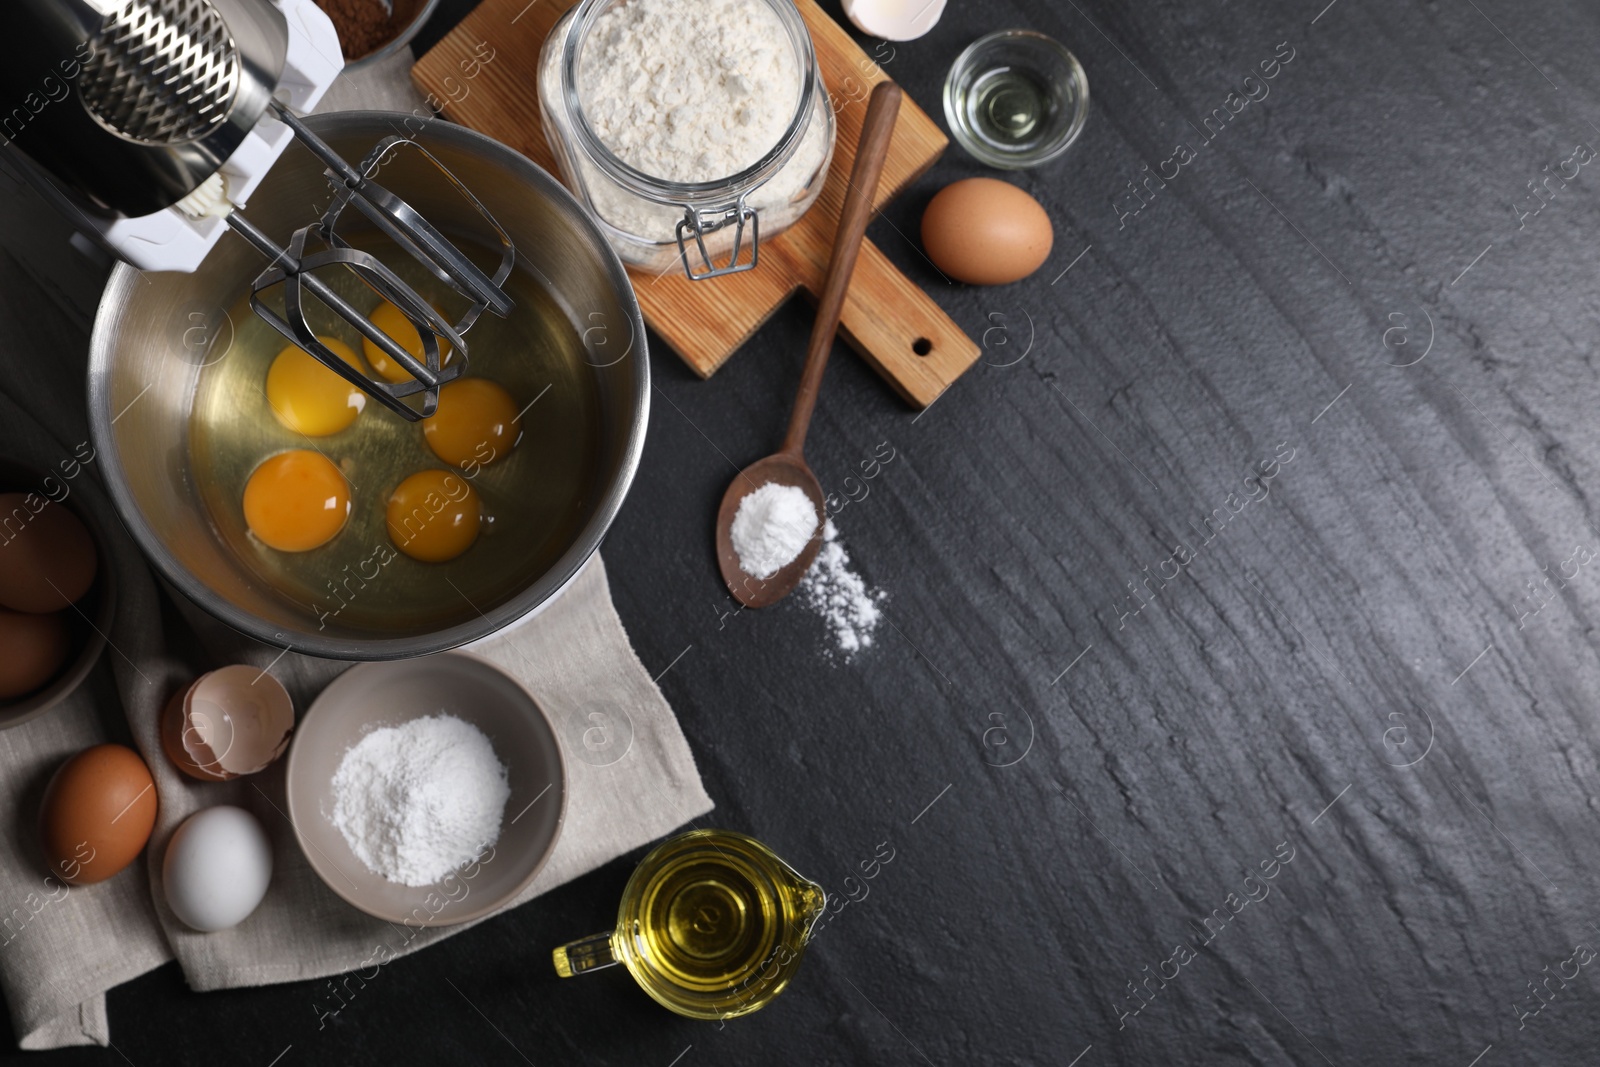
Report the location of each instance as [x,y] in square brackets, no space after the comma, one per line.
[1016,99]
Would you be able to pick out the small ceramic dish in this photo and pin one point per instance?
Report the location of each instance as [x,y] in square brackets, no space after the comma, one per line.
[88,621]
[374,695]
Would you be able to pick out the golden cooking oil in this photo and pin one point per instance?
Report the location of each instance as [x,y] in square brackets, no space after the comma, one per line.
[712,925]
[534,500]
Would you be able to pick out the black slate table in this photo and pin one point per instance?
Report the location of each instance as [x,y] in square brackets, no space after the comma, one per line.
[1235,697]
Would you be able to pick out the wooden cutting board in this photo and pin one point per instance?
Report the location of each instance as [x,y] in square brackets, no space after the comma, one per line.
[484,74]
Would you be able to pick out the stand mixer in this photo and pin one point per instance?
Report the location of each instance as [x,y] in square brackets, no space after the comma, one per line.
[150,122]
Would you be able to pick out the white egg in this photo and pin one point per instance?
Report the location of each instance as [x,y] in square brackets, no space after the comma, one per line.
[217,868]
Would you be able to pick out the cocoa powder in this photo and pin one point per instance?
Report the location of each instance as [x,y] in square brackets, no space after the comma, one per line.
[363,25]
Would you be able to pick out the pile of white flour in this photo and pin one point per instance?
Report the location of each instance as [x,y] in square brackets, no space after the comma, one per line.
[692,91]
[772,527]
[689,90]
[418,800]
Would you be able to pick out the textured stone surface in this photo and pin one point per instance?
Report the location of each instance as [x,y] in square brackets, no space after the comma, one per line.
[1352,668]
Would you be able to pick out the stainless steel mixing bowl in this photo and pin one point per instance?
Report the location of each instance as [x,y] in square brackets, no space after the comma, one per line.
[144,364]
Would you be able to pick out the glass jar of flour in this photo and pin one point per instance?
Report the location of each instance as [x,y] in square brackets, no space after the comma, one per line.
[693,129]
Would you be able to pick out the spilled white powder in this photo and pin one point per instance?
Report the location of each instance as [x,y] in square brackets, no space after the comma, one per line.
[772,526]
[418,800]
[838,594]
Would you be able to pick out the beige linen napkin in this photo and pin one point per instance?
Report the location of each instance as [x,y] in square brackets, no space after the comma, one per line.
[631,775]
[631,779]
[63,947]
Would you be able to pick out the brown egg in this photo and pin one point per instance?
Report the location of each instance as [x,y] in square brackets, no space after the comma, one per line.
[34,648]
[97,814]
[47,558]
[986,232]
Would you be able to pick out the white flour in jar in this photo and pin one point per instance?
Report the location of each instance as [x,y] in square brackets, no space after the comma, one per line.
[693,91]
[689,90]
[418,800]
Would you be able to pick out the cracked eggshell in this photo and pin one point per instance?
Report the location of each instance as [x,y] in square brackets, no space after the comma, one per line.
[173,728]
[230,722]
[894,20]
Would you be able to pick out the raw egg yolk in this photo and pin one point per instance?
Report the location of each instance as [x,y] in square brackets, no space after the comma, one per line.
[392,321]
[434,516]
[476,423]
[296,501]
[309,397]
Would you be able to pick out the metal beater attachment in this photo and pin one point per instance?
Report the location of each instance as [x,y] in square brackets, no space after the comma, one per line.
[294,268]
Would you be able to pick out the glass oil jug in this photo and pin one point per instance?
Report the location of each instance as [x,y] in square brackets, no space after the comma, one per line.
[712,924]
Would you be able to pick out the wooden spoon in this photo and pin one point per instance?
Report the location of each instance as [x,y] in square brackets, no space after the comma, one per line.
[787,466]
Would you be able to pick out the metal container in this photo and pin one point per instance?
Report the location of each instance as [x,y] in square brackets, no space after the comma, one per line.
[143,372]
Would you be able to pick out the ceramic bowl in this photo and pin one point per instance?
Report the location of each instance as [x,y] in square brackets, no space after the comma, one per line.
[374,695]
[88,621]
[409,17]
